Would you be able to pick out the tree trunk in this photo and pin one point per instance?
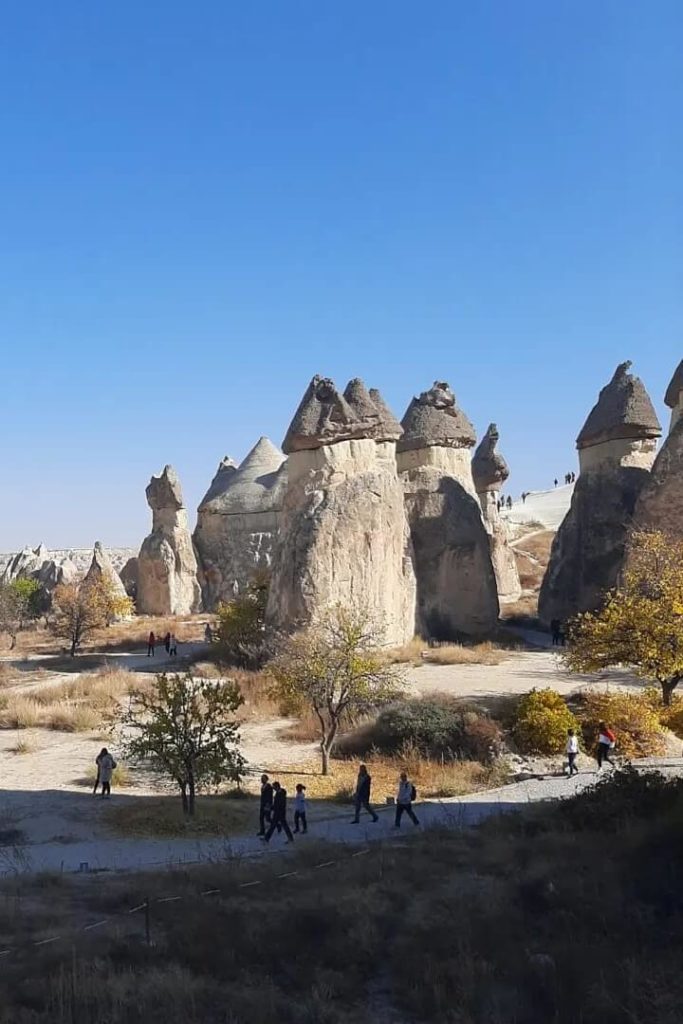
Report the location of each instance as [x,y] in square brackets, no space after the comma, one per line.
[325,754]
[191,801]
[74,642]
[183,797]
[668,687]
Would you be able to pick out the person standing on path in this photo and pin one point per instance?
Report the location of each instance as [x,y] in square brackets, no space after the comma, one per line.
[300,810]
[151,644]
[167,642]
[572,749]
[265,805]
[606,743]
[173,646]
[362,795]
[404,800]
[279,815]
[105,769]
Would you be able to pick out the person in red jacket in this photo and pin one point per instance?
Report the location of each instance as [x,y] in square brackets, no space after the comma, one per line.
[606,743]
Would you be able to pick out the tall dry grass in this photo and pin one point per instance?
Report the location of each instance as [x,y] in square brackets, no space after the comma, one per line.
[418,652]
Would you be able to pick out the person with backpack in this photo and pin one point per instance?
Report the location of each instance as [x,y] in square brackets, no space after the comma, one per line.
[362,795]
[606,743]
[300,810]
[278,818]
[405,797]
[572,750]
[265,805]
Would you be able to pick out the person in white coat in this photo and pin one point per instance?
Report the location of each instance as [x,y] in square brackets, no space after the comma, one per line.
[404,801]
[572,750]
[105,769]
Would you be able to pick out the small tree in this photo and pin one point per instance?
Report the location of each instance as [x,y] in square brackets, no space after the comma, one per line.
[241,634]
[20,602]
[78,611]
[335,668]
[185,729]
[640,625]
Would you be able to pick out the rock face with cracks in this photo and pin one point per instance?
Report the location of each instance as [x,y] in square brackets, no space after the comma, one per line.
[456,586]
[617,447]
[490,471]
[101,571]
[167,568]
[660,504]
[237,522]
[343,535]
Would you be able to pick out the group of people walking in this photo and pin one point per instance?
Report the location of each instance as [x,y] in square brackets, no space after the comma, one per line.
[170,645]
[607,741]
[273,805]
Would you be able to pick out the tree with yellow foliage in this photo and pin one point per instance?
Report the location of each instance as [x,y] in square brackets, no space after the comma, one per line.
[334,668]
[640,625]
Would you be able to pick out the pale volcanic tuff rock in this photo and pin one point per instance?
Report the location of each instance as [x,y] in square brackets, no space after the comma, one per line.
[617,446]
[237,522]
[456,585]
[660,504]
[37,564]
[490,471]
[167,567]
[102,571]
[343,534]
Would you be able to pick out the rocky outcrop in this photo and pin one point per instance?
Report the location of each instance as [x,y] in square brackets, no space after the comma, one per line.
[167,568]
[237,522]
[37,564]
[490,471]
[129,577]
[456,586]
[660,504]
[343,535]
[617,447]
[102,572]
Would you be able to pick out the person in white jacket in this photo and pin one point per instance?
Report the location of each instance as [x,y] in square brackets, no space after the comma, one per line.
[404,801]
[572,749]
[105,769]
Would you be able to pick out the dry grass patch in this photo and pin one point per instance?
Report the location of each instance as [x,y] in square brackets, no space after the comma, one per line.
[486,653]
[407,654]
[71,718]
[163,816]
[19,713]
[24,746]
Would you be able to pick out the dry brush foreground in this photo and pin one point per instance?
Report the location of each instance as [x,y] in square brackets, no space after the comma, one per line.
[517,922]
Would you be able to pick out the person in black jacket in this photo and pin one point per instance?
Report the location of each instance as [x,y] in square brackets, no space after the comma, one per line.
[363,784]
[265,806]
[278,819]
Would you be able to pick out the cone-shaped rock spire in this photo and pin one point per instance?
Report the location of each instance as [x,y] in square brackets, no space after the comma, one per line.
[623,410]
[673,392]
[434,418]
[227,467]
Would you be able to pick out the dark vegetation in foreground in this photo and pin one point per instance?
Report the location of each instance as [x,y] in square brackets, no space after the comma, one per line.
[571,913]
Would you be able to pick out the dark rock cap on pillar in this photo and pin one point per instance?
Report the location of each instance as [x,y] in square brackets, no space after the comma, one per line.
[623,410]
[434,418]
[489,468]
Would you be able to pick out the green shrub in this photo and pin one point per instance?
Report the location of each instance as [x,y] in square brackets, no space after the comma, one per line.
[437,728]
[241,637]
[631,716]
[541,722]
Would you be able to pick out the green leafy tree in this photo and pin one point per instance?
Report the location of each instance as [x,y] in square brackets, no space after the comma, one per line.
[241,637]
[20,602]
[640,624]
[185,729]
[337,669]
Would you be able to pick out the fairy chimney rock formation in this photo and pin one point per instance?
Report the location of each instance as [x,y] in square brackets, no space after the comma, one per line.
[167,568]
[456,586]
[490,471]
[617,447]
[102,572]
[661,500]
[343,535]
[237,521]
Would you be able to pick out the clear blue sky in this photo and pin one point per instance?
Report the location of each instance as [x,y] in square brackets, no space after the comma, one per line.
[204,204]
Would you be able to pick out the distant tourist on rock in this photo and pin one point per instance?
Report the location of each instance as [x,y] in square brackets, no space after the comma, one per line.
[509,502]
[151,645]
[572,749]
[167,643]
[173,646]
[606,743]
[524,493]
[300,810]
[404,800]
[362,795]
[573,479]
[105,769]
[265,805]
[278,818]
[556,481]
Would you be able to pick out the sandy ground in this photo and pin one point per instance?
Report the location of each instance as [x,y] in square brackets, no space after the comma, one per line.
[46,794]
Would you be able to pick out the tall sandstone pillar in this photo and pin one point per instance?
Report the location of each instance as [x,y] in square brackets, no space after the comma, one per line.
[617,447]
[490,471]
[660,505]
[343,535]
[167,567]
[456,586]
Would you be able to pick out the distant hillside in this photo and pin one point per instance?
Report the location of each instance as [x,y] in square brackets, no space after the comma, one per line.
[81,556]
